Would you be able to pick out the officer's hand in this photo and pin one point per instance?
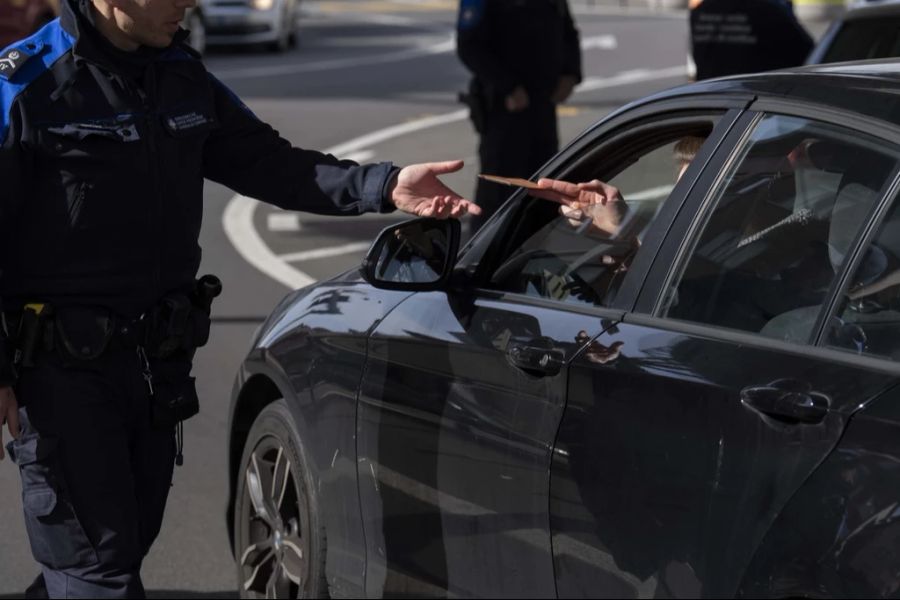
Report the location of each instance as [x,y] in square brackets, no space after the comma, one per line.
[517,100]
[9,414]
[417,190]
[564,88]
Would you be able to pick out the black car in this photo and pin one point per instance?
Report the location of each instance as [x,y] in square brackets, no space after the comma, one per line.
[869,30]
[702,403]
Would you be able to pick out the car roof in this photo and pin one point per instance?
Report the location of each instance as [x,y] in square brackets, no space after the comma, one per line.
[870,88]
[872,10]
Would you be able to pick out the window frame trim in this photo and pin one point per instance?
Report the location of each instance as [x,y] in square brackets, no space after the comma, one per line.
[617,127]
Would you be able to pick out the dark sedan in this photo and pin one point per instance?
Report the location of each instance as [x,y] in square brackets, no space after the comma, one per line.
[701,401]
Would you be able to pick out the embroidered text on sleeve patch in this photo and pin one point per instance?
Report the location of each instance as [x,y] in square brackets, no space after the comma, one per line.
[12,60]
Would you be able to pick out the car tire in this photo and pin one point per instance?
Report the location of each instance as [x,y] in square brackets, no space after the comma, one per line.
[279,540]
[197,26]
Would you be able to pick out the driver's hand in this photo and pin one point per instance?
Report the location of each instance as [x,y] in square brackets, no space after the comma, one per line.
[600,202]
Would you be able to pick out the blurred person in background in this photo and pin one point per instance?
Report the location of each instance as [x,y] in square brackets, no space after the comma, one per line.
[525,59]
[729,37]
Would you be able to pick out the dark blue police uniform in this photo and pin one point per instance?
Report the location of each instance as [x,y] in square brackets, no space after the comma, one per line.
[729,37]
[505,44]
[102,164]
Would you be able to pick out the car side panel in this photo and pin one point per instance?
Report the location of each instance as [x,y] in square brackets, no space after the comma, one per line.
[839,537]
[314,350]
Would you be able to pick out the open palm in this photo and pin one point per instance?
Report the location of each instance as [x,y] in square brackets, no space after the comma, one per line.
[418,191]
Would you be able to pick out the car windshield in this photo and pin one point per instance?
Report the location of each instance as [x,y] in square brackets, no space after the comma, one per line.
[866,38]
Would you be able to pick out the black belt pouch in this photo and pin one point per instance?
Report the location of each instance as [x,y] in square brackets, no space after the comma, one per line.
[174,392]
[81,333]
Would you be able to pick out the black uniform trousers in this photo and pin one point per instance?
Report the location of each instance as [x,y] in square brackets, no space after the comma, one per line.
[95,474]
[513,144]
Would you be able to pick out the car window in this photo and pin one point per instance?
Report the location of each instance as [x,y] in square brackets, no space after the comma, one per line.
[578,259]
[779,225]
[867,319]
[864,39]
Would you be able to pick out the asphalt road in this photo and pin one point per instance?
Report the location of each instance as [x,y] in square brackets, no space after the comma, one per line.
[361,68]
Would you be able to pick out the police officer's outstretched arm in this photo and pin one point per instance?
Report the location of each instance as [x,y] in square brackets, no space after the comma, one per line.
[248,156]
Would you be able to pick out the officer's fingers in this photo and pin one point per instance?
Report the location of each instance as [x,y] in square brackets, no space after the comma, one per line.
[472,208]
[13,419]
[430,208]
[11,411]
[447,166]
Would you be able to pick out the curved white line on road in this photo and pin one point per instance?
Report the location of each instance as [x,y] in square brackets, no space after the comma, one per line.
[320,253]
[238,222]
[605,41]
[238,216]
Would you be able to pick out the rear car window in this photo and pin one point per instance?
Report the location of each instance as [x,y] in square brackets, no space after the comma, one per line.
[865,38]
[779,227]
[867,320]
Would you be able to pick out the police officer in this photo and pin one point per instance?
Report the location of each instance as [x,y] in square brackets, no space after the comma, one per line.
[109,124]
[729,37]
[525,59]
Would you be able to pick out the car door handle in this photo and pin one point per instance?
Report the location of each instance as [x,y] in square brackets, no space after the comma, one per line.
[793,405]
[537,358]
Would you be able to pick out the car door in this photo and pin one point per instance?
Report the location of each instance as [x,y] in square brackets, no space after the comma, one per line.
[677,451]
[464,391]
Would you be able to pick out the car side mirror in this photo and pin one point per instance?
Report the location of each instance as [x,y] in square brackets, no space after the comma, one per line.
[417,255]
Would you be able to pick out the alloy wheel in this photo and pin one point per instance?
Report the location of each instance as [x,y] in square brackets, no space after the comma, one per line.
[274,562]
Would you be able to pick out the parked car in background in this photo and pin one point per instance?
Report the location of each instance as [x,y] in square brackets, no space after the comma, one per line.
[196,25]
[21,18]
[270,23]
[702,402]
[868,30]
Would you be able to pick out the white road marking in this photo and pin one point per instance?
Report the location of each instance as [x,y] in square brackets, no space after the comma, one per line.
[283,221]
[603,42]
[359,156]
[651,193]
[607,42]
[238,223]
[629,77]
[238,216]
[446,45]
[321,253]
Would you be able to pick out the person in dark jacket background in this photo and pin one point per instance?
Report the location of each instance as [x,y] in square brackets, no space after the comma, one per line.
[109,124]
[525,58]
[730,37]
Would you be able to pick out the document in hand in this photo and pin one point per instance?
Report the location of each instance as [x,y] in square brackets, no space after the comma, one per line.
[513,181]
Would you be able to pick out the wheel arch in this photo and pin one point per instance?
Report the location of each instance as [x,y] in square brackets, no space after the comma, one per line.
[258,392]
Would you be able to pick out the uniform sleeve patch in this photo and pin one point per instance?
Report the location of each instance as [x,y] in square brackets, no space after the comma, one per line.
[470,13]
[12,60]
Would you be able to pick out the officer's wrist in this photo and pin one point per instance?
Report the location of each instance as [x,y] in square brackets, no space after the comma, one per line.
[387,195]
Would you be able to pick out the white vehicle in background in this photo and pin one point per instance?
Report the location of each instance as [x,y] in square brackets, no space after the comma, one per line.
[271,23]
[868,30]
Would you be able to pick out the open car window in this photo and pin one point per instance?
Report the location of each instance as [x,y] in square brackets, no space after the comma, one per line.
[583,258]
[779,226]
